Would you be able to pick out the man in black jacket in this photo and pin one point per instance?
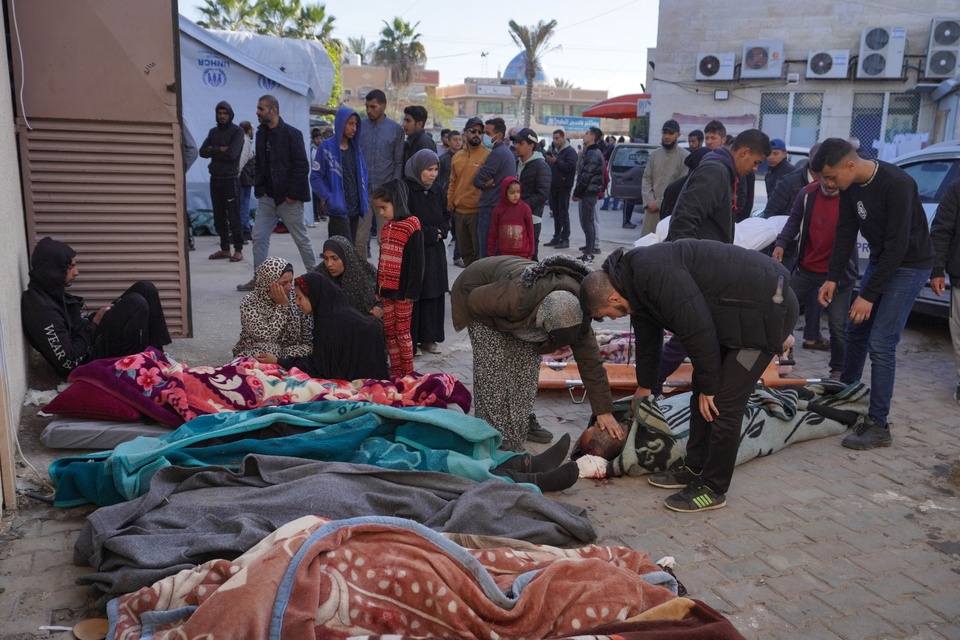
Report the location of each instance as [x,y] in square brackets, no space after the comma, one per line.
[945,235]
[281,185]
[223,146]
[778,165]
[54,320]
[414,120]
[587,190]
[562,159]
[535,177]
[731,320]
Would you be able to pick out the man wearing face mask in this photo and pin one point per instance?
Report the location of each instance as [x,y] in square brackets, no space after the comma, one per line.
[665,166]
[500,164]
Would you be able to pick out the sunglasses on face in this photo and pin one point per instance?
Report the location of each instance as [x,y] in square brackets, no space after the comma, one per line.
[474,131]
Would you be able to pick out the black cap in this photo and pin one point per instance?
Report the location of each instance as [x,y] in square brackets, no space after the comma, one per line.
[473,122]
[671,126]
[525,135]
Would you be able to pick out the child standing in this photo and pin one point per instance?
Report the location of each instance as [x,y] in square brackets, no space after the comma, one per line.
[400,273]
[511,227]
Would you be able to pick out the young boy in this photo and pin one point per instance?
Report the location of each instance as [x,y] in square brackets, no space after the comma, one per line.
[339,176]
[400,273]
[511,227]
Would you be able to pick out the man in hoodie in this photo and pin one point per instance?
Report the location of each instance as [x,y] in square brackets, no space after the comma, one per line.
[414,120]
[281,185]
[562,159]
[534,175]
[462,197]
[224,145]
[500,164]
[339,176]
[55,323]
[707,206]
[732,321]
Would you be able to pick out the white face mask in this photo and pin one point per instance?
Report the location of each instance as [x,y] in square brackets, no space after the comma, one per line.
[487,141]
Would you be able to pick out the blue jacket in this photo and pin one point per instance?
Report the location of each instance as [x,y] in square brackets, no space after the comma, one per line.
[326,175]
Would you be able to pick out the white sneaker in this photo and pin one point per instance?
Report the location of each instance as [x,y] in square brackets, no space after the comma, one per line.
[431,347]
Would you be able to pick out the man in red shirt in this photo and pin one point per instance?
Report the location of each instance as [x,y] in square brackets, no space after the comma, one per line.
[813,220]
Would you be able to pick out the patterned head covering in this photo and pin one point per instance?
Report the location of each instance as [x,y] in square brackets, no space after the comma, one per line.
[417,163]
[301,283]
[269,271]
[561,316]
[359,277]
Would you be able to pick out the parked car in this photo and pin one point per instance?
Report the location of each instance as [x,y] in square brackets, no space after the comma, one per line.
[626,166]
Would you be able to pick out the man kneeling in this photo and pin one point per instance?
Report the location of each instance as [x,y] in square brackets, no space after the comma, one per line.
[55,325]
[732,308]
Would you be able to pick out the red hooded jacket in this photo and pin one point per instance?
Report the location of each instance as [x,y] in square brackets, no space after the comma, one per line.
[511,227]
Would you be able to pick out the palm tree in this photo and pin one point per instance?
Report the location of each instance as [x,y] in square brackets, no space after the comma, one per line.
[360,47]
[228,15]
[291,19]
[401,50]
[534,41]
[563,83]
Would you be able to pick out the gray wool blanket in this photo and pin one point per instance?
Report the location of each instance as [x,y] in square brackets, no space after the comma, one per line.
[192,515]
[774,419]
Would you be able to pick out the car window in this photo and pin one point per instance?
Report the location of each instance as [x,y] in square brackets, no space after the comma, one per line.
[625,157]
[932,177]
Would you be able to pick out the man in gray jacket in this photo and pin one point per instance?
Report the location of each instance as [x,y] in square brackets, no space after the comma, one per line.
[381,141]
[500,164]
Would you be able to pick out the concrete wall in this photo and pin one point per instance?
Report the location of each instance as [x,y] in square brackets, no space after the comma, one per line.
[688,27]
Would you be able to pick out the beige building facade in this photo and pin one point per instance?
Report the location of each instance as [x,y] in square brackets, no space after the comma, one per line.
[884,75]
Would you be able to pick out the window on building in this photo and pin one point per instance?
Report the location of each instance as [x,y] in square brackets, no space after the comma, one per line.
[791,116]
[890,113]
[511,108]
[461,108]
[550,110]
[347,93]
[577,109]
[489,107]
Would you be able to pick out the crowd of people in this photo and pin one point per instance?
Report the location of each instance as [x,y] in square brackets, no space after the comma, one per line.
[489,187]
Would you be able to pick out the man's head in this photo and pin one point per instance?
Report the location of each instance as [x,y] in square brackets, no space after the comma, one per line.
[473,131]
[836,162]
[695,139]
[247,128]
[454,141]
[53,265]
[350,126]
[268,111]
[496,128]
[669,134]
[592,136]
[316,135]
[376,103]
[778,152]
[714,134]
[749,149]
[601,299]
[595,441]
[223,115]
[559,137]
[525,142]
[445,138]
[414,119]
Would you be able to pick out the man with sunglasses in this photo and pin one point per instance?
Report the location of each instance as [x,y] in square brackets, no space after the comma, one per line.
[463,199]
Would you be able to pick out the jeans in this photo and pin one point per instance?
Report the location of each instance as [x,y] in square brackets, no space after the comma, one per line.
[246,220]
[268,214]
[879,336]
[484,218]
[560,206]
[806,285]
[607,206]
[588,221]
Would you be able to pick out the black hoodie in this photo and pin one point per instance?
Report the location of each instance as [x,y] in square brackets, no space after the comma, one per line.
[705,206]
[223,164]
[52,318]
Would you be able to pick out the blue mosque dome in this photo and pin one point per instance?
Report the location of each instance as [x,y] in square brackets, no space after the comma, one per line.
[516,70]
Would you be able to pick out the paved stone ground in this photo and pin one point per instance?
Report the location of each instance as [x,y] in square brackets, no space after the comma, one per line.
[817,541]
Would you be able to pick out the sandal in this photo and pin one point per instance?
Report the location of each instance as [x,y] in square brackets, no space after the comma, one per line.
[817,345]
[236,257]
[219,255]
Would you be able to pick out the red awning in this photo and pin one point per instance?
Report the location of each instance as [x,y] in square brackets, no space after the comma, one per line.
[619,107]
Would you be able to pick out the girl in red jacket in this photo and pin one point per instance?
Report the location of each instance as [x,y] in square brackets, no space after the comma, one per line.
[511,227]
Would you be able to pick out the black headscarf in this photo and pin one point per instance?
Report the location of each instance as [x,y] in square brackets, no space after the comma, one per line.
[359,277]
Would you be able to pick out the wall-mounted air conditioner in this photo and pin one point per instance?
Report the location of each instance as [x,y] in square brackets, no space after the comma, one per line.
[944,48]
[716,66]
[881,53]
[762,59]
[829,64]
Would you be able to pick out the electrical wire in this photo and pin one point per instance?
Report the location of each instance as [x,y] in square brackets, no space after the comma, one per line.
[23,78]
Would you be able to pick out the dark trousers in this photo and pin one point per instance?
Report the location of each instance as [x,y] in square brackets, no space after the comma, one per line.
[346,227]
[560,206]
[536,240]
[627,212]
[670,360]
[134,322]
[588,222]
[225,199]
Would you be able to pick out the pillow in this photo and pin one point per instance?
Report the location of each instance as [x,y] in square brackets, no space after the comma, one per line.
[84,400]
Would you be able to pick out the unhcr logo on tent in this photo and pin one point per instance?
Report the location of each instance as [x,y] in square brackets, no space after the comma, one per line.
[215,78]
[266,83]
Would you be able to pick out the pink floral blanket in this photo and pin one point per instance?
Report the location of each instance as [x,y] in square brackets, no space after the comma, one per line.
[172,393]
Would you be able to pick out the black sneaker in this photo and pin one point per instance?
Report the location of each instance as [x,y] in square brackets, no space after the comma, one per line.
[695,497]
[536,433]
[629,225]
[562,245]
[867,434]
[583,249]
[677,477]
[554,242]
[247,286]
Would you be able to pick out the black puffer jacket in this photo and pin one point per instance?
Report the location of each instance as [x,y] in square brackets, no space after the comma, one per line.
[590,178]
[224,164]
[704,208]
[678,286]
[52,318]
[945,235]
[535,185]
[289,168]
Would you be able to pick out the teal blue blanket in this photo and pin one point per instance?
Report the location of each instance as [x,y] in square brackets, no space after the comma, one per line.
[410,438]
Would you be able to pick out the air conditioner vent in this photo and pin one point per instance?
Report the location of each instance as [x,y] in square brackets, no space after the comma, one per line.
[881,53]
[716,66]
[762,59]
[943,50]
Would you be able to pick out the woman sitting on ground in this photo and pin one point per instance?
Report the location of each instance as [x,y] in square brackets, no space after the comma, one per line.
[347,344]
[269,320]
[353,274]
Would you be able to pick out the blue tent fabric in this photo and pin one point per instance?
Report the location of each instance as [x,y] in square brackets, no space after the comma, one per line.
[410,438]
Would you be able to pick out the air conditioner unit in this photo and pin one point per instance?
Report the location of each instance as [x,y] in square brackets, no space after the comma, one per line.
[881,53]
[762,59]
[944,48]
[829,64]
[716,66]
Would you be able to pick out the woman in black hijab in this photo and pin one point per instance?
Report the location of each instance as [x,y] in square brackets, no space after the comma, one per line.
[347,345]
[353,274]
